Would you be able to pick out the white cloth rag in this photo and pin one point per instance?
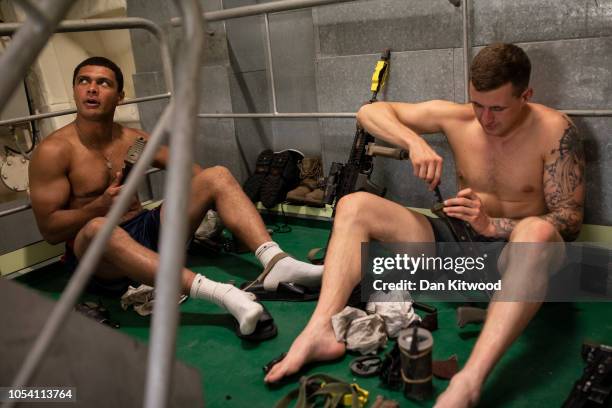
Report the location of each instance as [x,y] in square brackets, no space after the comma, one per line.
[142,299]
[361,332]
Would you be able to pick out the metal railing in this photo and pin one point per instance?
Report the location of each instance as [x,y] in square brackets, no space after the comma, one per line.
[285,5]
[467,48]
[105,24]
[37,32]
[176,202]
[27,43]
[69,26]
[46,115]
[264,8]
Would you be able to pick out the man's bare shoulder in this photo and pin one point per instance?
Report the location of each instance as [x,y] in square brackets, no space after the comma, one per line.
[451,109]
[554,126]
[452,116]
[550,116]
[461,111]
[58,145]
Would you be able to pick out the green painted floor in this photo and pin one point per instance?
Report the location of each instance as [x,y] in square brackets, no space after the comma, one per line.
[538,370]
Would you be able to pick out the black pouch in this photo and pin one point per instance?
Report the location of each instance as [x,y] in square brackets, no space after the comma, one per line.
[284,176]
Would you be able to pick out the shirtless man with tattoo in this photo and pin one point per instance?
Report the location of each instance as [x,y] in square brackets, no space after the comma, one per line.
[520,168]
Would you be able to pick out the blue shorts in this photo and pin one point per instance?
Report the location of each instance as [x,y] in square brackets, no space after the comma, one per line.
[144,229]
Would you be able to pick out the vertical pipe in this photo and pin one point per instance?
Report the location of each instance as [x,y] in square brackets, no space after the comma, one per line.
[166,61]
[174,234]
[466,50]
[270,67]
[26,44]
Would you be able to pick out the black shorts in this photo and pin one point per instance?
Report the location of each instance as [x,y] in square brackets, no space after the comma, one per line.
[445,238]
[442,232]
[144,229]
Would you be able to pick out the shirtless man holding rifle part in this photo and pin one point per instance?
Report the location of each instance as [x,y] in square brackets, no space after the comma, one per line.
[520,168]
[76,176]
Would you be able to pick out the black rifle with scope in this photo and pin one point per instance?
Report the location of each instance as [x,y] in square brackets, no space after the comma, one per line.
[354,175]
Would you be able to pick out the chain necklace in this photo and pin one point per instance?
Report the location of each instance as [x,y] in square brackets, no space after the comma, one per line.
[107,159]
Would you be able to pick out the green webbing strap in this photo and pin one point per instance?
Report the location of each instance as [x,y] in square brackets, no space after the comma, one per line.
[326,386]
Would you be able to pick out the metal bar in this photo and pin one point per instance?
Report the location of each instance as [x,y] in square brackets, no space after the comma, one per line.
[596,112]
[92,256]
[263,115]
[152,170]
[15,210]
[94,24]
[466,50]
[328,115]
[278,115]
[102,24]
[174,235]
[39,116]
[272,7]
[270,67]
[25,46]
[32,11]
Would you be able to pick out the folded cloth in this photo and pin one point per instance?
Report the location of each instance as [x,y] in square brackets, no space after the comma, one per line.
[341,321]
[361,332]
[396,315]
[210,227]
[142,298]
[366,334]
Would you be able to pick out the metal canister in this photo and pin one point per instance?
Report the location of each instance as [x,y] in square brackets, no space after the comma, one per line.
[416,345]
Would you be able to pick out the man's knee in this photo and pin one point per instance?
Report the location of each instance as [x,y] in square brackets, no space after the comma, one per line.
[352,206]
[534,229]
[87,234]
[92,228]
[216,177]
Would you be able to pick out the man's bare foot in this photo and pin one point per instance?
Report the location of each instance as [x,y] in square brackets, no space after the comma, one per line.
[463,391]
[311,345]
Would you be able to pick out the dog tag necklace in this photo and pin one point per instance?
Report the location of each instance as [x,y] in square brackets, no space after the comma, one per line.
[107,159]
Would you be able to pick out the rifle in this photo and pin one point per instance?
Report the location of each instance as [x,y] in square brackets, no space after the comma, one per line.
[133,154]
[355,175]
[594,388]
[344,179]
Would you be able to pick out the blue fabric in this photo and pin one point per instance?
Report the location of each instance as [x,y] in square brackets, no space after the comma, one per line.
[144,229]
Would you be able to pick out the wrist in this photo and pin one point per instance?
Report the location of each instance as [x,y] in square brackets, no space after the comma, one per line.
[411,139]
[96,208]
[490,230]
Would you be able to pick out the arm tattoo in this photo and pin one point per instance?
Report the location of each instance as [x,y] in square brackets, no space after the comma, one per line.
[564,184]
[503,226]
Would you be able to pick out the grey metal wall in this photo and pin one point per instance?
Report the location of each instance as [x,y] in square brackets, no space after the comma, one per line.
[222,143]
[236,79]
[323,60]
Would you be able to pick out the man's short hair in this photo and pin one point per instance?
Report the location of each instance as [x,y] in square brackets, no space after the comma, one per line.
[102,62]
[499,63]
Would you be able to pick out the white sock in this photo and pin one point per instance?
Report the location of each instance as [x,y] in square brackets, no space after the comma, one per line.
[287,269]
[239,303]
